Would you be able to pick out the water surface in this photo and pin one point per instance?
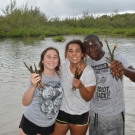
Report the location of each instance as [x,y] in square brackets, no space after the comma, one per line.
[14,75]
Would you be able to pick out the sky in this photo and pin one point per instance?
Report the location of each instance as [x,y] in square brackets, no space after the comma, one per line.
[69,8]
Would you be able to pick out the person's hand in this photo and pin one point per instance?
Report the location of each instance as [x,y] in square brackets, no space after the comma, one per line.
[117,68]
[77,83]
[35,78]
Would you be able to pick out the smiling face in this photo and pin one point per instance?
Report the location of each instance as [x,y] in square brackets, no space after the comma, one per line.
[74,53]
[50,60]
[94,49]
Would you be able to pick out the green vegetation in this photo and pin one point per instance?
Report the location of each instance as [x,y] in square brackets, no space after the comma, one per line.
[31,22]
[59,39]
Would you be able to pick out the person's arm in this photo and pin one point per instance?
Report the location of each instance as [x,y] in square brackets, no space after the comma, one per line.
[130,73]
[86,92]
[117,67]
[28,95]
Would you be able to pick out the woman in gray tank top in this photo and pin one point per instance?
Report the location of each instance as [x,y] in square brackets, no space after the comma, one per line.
[43,96]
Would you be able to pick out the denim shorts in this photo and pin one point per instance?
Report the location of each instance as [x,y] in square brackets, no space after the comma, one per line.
[107,125]
[66,118]
[30,128]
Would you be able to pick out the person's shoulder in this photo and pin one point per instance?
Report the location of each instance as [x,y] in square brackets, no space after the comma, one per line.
[89,75]
[88,69]
[88,60]
[122,58]
[119,56]
[65,61]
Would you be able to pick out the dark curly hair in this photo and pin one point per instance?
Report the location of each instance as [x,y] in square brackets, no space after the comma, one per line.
[41,65]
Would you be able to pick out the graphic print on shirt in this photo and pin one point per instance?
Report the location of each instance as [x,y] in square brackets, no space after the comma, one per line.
[51,96]
[102,89]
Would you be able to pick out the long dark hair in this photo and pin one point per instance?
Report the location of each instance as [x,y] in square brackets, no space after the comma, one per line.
[78,42]
[41,65]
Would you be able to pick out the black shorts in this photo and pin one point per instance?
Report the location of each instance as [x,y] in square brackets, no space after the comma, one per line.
[30,128]
[65,118]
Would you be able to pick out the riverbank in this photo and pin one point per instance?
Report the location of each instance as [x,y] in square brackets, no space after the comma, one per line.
[63,31]
[23,21]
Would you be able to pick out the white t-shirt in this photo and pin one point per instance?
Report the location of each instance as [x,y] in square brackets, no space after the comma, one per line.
[72,101]
[108,97]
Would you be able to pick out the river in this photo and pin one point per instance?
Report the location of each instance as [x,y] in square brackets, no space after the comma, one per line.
[14,75]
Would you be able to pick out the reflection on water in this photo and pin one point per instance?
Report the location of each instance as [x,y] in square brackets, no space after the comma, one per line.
[14,75]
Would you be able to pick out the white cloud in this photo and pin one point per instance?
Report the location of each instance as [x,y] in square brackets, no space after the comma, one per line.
[59,8]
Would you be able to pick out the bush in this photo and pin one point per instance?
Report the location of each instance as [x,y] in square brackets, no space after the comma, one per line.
[59,39]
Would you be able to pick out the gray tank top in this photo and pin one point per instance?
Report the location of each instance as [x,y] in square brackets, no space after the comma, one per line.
[45,104]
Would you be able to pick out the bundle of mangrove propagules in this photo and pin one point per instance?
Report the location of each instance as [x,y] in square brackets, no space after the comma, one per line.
[111,58]
[78,73]
[34,71]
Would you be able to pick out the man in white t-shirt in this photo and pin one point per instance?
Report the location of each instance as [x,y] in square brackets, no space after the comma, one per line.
[107,105]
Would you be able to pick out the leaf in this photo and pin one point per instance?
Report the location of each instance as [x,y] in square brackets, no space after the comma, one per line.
[32,69]
[35,68]
[78,74]
[27,67]
[108,58]
[36,71]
